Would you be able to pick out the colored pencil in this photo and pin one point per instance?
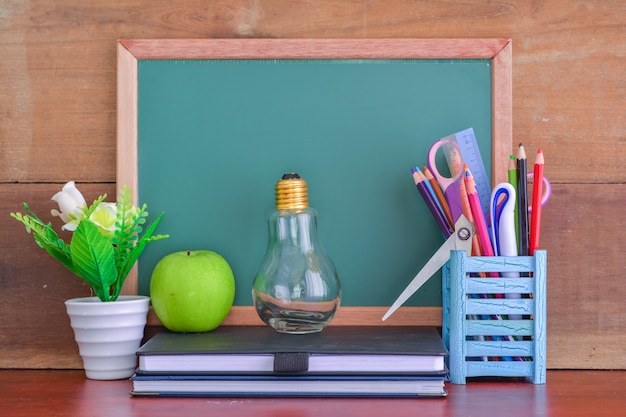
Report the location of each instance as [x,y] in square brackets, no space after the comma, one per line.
[479,220]
[420,183]
[432,192]
[522,201]
[467,212]
[535,219]
[439,194]
[477,213]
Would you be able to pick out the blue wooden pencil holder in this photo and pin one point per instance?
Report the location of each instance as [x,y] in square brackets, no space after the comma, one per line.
[495,326]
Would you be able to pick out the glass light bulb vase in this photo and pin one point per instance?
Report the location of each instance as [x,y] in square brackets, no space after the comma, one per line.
[296,289]
[108,334]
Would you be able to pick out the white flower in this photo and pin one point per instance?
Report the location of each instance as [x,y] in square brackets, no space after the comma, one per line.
[105,216]
[71,203]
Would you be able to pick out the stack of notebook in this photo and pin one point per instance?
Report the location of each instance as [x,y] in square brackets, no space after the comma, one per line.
[258,362]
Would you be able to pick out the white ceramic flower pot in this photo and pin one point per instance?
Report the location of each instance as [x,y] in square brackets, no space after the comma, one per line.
[108,334]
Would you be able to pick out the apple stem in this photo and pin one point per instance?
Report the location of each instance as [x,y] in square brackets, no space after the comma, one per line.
[188,252]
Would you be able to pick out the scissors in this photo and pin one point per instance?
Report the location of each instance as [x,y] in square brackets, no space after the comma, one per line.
[547,191]
[451,187]
[461,239]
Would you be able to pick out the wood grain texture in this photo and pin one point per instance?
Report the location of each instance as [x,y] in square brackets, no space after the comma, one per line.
[315,48]
[586,286]
[346,316]
[60,68]
[58,122]
[502,123]
[69,393]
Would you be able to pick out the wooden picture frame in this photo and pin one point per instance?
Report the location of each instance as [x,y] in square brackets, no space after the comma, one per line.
[130,51]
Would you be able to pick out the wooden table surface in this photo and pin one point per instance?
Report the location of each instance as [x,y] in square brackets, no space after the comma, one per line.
[69,393]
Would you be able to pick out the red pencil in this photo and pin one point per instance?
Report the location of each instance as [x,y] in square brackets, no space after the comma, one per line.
[479,218]
[535,218]
[477,213]
[467,212]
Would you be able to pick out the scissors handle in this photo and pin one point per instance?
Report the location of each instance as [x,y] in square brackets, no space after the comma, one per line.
[451,187]
[453,156]
[547,191]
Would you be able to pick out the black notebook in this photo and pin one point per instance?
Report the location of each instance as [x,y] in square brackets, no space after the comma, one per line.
[288,386]
[337,350]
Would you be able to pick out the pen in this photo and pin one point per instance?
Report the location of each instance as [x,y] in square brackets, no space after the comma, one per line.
[522,200]
[512,176]
[502,217]
[420,183]
[502,220]
[535,224]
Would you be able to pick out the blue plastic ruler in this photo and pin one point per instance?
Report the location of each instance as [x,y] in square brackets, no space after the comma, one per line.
[470,153]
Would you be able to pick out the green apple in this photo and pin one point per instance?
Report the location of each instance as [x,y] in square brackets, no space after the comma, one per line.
[192,291]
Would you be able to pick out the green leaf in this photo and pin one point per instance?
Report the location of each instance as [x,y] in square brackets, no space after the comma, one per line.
[45,237]
[93,258]
[136,250]
[88,210]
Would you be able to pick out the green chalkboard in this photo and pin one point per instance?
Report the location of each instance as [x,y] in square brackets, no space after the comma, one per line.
[214,136]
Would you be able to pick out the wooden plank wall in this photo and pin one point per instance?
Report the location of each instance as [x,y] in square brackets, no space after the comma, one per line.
[58,115]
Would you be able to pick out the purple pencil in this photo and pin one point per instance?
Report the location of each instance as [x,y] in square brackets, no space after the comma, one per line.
[420,183]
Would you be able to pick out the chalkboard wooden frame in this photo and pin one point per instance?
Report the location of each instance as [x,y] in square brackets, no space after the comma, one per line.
[130,51]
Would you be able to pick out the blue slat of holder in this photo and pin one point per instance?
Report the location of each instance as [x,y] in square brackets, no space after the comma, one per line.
[519,346]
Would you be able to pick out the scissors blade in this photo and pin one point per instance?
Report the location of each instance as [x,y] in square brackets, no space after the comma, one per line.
[460,239]
[463,233]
